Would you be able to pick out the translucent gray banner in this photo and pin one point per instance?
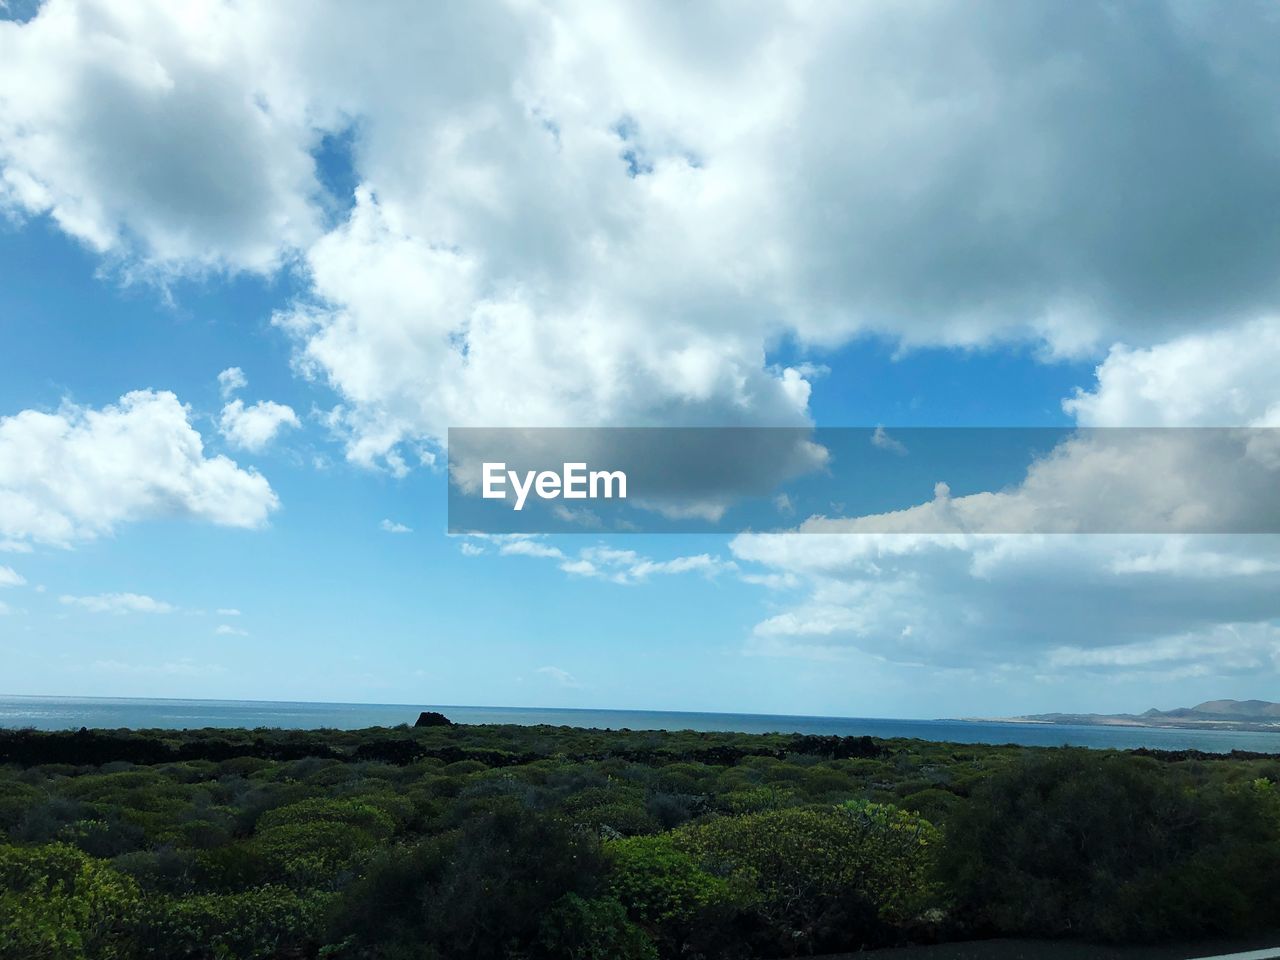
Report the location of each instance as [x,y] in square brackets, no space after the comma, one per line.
[864,480]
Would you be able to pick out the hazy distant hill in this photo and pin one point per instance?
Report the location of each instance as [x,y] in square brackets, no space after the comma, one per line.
[1221,714]
[1223,709]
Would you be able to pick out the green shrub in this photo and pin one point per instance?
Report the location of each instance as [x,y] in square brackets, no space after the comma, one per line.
[314,854]
[358,812]
[57,903]
[507,869]
[479,892]
[625,819]
[660,884]
[15,799]
[822,879]
[250,925]
[1076,843]
[758,799]
[598,929]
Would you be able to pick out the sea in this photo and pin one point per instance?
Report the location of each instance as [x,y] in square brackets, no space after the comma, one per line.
[64,713]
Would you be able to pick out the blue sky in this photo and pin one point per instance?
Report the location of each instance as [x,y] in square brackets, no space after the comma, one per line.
[393,225]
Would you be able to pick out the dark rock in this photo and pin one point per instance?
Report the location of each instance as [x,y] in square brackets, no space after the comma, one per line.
[429,718]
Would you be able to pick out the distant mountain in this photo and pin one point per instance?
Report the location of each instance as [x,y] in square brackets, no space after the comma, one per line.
[1218,714]
[1223,710]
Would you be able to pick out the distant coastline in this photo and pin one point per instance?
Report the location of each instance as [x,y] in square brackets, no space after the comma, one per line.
[1243,716]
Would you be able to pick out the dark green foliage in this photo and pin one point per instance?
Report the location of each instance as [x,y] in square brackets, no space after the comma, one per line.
[578,929]
[504,874]
[252,925]
[538,843]
[1073,843]
[821,880]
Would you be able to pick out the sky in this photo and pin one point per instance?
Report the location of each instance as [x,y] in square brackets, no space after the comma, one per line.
[257,259]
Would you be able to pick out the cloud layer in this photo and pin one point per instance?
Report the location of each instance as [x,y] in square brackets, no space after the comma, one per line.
[572,215]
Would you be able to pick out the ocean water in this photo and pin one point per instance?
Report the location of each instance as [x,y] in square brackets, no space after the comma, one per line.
[62,713]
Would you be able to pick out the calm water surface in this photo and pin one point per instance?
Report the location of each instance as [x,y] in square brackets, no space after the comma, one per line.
[60,713]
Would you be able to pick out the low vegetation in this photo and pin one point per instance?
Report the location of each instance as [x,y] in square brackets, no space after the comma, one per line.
[545,843]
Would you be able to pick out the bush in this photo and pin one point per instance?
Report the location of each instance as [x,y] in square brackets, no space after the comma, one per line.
[239,926]
[507,870]
[57,903]
[15,800]
[688,911]
[358,813]
[661,885]
[480,892]
[310,854]
[579,929]
[1080,844]
[822,879]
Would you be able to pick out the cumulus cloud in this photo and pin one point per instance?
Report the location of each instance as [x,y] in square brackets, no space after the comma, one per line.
[254,427]
[571,216]
[10,577]
[156,132]
[118,603]
[78,473]
[390,526]
[1217,378]
[226,630]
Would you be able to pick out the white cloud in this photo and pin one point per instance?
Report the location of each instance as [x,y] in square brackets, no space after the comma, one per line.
[1230,648]
[390,526]
[470,549]
[1221,378]
[10,577]
[118,603]
[227,612]
[956,592]
[230,380]
[881,440]
[955,601]
[580,215]
[524,547]
[78,473]
[156,131]
[563,677]
[254,427]
[226,630]
[603,562]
